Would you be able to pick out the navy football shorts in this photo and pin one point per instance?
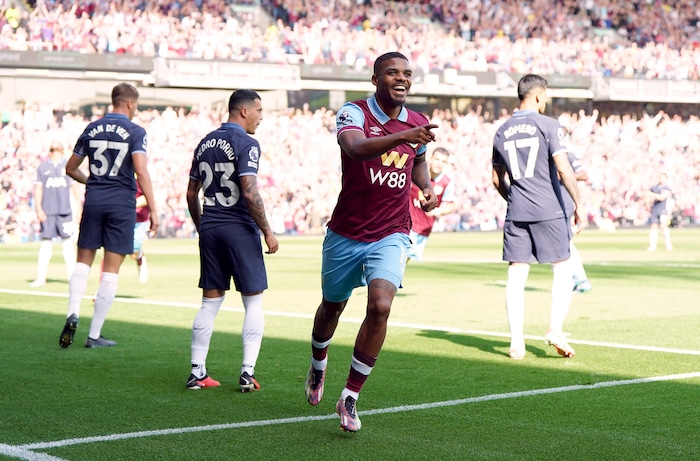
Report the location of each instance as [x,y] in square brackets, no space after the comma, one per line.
[232,251]
[109,226]
[544,241]
[57,226]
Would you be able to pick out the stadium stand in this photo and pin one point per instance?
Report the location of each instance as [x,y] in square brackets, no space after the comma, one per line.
[300,166]
[643,39]
[583,37]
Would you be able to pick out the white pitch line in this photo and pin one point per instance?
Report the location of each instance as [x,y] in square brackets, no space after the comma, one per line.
[378,411]
[512,395]
[414,326]
[23,453]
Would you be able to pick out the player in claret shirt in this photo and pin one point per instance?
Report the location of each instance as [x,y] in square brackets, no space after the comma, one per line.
[421,222]
[383,148]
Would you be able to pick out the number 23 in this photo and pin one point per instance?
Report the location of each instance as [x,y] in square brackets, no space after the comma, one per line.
[225,182]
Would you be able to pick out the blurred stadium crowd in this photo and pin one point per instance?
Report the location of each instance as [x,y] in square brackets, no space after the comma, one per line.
[300,171]
[629,38]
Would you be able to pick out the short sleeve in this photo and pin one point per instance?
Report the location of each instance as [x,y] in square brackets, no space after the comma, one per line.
[349,116]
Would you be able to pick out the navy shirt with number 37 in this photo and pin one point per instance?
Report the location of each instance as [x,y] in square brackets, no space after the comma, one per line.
[109,144]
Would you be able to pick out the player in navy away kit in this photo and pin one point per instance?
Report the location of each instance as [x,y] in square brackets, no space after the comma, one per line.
[382,150]
[660,194]
[528,159]
[225,167]
[52,193]
[116,149]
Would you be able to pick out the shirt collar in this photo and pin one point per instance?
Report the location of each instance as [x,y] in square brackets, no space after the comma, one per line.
[379,113]
[523,112]
[231,125]
[114,114]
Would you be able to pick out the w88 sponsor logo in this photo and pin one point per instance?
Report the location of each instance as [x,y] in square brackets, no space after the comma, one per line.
[393,179]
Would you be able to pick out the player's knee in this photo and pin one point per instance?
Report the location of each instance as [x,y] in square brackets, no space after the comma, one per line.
[378,308]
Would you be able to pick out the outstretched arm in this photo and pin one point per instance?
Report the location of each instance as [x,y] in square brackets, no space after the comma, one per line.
[360,147]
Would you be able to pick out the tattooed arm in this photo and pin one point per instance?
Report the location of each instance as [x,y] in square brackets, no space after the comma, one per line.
[256,208]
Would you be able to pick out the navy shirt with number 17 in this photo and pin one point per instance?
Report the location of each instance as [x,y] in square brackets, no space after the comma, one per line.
[526,145]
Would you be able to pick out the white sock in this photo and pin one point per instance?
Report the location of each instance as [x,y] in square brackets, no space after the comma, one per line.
[253,326]
[142,267]
[45,252]
[515,301]
[319,364]
[103,302]
[347,392]
[202,329]
[562,290]
[69,256]
[653,237]
[76,287]
[667,236]
[576,263]
[199,370]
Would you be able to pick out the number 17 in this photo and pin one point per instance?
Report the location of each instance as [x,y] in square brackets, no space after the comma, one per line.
[533,146]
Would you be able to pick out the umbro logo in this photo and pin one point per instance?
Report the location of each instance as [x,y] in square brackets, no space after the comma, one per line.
[375,131]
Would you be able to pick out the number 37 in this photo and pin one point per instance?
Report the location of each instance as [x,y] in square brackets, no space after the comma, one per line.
[102,148]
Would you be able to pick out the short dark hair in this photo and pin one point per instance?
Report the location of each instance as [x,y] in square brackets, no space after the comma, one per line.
[442,151]
[240,97]
[528,83]
[385,57]
[124,92]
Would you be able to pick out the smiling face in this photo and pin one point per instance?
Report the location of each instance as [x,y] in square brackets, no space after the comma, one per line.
[393,81]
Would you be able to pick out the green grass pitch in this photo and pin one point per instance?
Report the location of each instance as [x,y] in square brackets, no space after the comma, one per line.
[443,387]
